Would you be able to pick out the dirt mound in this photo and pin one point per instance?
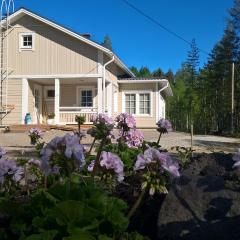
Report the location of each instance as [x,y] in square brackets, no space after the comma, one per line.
[204,203]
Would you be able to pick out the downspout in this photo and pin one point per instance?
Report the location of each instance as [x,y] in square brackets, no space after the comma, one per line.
[160,94]
[163,88]
[104,80]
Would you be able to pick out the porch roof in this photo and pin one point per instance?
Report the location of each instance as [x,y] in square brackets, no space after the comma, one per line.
[164,83]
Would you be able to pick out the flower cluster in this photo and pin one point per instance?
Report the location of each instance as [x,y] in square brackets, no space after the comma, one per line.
[125,121]
[35,134]
[156,164]
[34,162]
[2,152]
[10,170]
[236,158]
[103,126]
[161,160]
[68,147]
[110,162]
[133,138]
[164,126]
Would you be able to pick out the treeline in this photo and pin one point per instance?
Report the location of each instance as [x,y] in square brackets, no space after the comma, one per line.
[203,97]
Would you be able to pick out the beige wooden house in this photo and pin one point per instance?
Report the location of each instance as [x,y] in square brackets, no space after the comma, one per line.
[47,68]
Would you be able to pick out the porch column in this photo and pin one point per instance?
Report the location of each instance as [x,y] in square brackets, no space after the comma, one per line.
[109,98]
[25,87]
[57,100]
[100,82]
[157,103]
[100,95]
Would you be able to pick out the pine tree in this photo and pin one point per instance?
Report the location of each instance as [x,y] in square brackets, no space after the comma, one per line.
[107,43]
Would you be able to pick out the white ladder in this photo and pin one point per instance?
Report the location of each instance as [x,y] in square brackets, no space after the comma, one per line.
[7,7]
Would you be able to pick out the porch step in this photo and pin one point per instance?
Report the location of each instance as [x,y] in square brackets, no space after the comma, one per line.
[20,128]
[44,127]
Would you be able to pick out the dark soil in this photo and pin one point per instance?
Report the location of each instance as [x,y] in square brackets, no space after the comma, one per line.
[204,203]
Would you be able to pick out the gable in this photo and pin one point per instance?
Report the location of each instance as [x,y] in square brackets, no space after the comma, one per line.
[22,13]
[54,53]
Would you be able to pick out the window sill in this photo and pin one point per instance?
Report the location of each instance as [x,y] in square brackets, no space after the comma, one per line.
[142,115]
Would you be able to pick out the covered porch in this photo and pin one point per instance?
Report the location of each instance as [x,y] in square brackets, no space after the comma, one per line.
[64,98]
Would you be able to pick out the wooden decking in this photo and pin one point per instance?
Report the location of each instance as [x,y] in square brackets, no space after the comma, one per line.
[45,127]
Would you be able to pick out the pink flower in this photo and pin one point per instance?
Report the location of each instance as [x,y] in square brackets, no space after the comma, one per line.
[112,161]
[133,138]
[161,160]
[164,125]
[125,121]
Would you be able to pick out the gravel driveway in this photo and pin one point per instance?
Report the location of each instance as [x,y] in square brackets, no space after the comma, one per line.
[202,143]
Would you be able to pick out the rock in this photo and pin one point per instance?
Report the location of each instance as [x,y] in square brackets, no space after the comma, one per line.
[204,203]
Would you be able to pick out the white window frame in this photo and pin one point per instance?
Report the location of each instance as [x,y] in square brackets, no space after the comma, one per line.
[130,102]
[46,89]
[26,48]
[79,96]
[138,114]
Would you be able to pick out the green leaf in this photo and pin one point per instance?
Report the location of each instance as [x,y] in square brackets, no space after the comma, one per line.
[104,237]
[79,234]
[72,212]
[47,235]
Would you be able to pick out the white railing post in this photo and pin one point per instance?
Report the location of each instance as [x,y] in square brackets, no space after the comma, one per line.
[57,100]
[25,86]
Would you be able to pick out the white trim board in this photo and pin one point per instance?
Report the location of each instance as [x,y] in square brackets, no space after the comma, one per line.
[53,76]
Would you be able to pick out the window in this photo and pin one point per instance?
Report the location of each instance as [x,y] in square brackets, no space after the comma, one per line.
[137,103]
[86,98]
[130,103]
[144,104]
[50,93]
[26,41]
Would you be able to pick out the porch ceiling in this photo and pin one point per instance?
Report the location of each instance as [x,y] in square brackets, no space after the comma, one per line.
[48,81]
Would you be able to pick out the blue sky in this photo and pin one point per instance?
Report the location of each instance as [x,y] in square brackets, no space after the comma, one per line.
[136,40]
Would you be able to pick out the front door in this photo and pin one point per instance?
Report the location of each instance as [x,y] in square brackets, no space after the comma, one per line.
[38,104]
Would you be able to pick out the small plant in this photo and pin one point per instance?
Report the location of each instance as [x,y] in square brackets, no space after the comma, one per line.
[163,126]
[35,135]
[80,121]
[51,115]
[184,154]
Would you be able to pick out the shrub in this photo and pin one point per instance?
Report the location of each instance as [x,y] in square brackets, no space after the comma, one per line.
[68,193]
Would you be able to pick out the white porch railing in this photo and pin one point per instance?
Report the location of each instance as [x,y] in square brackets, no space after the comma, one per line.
[67,114]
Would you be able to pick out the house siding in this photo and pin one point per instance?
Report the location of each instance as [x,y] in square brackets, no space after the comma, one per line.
[55,52]
[141,121]
[14,98]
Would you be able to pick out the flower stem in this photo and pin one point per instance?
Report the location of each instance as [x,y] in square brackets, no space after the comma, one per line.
[90,150]
[98,156]
[45,181]
[159,138]
[136,204]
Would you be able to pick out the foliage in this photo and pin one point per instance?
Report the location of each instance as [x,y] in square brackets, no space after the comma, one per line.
[107,42]
[184,154]
[68,193]
[51,116]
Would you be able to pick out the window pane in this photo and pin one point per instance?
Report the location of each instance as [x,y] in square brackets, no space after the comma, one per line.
[144,104]
[130,103]
[86,98]
[50,93]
